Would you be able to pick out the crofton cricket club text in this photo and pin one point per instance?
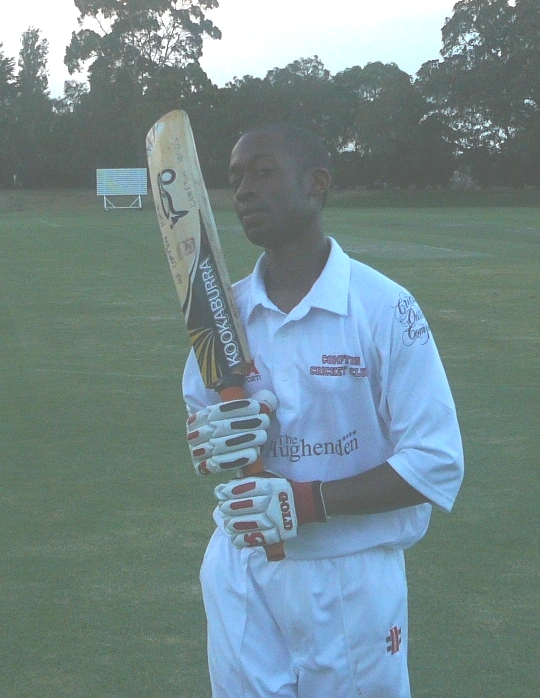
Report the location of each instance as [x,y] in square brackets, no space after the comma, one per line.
[339,365]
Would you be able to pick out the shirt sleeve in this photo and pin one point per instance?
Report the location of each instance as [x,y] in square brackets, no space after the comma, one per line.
[418,408]
[196,396]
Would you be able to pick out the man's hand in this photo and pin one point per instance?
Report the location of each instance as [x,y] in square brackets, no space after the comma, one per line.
[229,435]
[265,510]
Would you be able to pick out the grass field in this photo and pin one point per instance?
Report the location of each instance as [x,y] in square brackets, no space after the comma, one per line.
[104,525]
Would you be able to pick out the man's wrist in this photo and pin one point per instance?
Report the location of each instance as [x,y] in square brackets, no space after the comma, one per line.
[309,502]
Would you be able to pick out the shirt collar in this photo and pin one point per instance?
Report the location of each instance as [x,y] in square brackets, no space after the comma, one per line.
[330,292]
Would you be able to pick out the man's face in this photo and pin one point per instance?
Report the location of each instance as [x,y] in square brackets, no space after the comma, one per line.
[271,197]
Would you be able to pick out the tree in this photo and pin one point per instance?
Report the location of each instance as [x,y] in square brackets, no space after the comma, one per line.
[33,76]
[300,93]
[7,75]
[303,93]
[372,99]
[384,136]
[487,85]
[8,93]
[131,44]
[176,87]
[139,38]
[33,109]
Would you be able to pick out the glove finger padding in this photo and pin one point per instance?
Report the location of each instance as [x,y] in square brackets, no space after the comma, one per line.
[227,433]
[257,511]
[228,461]
[229,429]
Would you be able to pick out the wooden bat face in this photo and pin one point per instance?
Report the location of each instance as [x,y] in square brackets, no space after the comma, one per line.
[194,252]
[198,265]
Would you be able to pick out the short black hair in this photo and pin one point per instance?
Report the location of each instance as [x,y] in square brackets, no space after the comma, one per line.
[305,146]
[308,150]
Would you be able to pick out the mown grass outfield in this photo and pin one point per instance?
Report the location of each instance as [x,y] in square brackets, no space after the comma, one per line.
[104,524]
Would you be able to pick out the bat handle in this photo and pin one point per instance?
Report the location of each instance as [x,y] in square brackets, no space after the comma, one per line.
[275,551]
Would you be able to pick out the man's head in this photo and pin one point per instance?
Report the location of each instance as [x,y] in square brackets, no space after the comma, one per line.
[280,176]
[307,149]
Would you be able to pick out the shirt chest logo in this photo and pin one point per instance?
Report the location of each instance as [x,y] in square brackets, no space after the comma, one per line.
[339,365]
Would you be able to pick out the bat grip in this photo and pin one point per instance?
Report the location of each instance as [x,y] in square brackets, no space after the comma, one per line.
[275,551]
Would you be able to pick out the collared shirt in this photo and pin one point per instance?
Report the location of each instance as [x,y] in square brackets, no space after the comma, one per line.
[359,382]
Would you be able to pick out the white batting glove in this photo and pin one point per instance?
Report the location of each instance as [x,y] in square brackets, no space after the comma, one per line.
[258,510]
[265,509]
[229,435]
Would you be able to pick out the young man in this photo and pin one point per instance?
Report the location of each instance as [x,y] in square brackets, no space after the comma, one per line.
[363,441]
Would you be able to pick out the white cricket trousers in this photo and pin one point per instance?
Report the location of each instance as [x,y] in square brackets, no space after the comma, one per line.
[332,628]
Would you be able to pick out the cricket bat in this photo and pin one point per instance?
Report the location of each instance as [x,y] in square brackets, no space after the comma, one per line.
[198,265]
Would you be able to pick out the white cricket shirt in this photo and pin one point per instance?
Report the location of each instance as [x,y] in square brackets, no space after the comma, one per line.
[359,381]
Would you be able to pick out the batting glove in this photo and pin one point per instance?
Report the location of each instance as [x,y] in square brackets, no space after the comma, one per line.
[266,510]
[229,435]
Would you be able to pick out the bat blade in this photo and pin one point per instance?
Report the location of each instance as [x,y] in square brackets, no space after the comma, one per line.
[198,265]
[195,254]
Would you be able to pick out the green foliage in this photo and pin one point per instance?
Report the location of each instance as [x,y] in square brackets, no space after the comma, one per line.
[134,47]
[476,111]
[139,37]
[8,93]
[33,111]
[383,126]
[487,85]
[33,76]
[25,114]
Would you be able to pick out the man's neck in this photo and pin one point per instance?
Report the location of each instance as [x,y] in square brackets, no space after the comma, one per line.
[292,270]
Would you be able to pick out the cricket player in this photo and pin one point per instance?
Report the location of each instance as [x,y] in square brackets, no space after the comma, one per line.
[362,440]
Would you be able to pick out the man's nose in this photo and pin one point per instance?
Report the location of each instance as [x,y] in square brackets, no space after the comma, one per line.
[245,189]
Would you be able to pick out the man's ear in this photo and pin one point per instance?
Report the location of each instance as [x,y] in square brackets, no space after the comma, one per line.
[320,183]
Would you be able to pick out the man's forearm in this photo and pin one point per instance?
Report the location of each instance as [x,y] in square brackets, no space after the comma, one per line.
[378,490]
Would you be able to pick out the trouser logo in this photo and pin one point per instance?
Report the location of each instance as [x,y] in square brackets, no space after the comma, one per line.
[394,640]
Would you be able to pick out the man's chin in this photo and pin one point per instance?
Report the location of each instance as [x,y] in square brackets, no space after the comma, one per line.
[259,235]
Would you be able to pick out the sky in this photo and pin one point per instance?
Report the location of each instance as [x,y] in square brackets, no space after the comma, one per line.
[259,35]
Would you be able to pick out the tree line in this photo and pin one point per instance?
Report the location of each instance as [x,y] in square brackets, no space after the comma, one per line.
[470,117]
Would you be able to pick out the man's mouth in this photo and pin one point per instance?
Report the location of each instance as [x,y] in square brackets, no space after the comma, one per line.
[251,218]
